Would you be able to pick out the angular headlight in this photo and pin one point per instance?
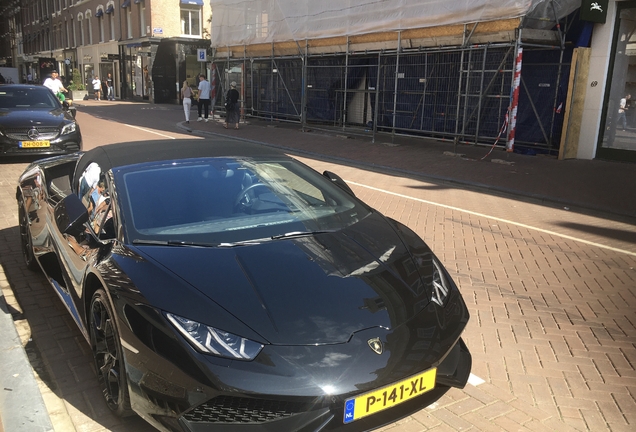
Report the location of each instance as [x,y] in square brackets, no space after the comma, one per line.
[441,286]
[69,128]
[210,340]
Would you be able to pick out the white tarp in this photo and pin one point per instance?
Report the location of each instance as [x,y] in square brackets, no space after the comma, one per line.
[238,22]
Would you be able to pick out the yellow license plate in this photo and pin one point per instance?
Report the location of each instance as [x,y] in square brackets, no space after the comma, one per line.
[33,144]
[389,396]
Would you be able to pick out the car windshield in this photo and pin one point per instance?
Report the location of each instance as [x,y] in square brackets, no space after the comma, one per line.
[30,97]
[229,200]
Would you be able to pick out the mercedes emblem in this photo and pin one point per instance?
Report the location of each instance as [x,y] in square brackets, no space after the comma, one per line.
[376,345]
[33,134]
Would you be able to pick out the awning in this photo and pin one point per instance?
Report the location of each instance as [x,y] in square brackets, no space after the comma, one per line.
[125,4]
[99,13]
[192,2]
[110,9]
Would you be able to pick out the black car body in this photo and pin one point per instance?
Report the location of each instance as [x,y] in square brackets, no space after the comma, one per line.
[224,286]
[34,122]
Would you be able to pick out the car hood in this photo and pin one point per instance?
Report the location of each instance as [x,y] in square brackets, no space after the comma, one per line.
[33,117]
[319,289]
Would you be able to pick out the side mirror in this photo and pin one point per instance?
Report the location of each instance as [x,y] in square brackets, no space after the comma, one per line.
[71,215]
[335,178]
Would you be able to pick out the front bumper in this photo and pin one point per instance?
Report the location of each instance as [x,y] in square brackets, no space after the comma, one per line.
[70,143]
[175,388]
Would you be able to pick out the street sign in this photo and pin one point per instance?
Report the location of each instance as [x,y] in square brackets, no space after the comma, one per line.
[202,54]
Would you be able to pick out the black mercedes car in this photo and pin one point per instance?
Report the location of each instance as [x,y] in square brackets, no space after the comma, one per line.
[34,122]
[225,286]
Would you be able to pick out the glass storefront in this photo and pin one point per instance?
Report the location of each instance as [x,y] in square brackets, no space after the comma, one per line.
[618,136]
[136,79]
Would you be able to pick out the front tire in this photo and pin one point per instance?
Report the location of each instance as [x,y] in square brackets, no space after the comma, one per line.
[25,237]
[108,354]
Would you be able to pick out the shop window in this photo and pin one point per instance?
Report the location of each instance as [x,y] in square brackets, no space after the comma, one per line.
[618,137]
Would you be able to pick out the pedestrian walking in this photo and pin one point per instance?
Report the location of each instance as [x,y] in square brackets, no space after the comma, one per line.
[97,87]
[111,89]
[203,97]
[186,95]
[232,108]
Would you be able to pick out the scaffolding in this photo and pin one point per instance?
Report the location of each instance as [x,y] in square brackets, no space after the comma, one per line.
[461,92]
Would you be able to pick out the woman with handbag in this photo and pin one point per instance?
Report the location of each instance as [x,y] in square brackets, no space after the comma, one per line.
[232,108]
[186,95]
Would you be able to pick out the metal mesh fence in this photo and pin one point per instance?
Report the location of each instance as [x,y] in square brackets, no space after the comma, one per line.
[461,93]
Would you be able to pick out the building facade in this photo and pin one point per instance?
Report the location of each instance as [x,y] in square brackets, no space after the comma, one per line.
[148,47]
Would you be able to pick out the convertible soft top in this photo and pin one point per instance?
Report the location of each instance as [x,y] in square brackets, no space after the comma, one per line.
[130,153]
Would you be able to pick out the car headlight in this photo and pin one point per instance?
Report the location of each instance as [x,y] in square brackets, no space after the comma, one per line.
[440,285]
[69,128]
[210,340]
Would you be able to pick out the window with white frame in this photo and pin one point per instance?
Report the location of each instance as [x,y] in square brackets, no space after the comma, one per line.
[142,17]
[89,26]
[190,20]
[129,19]
[111,21]
[100,23]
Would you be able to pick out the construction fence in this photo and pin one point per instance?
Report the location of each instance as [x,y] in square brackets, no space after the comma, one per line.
[461,94]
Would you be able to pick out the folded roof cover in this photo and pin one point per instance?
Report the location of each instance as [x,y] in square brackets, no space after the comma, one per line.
[238,22]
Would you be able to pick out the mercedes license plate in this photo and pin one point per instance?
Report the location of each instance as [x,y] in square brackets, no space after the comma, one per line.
[34,144]
[389,396]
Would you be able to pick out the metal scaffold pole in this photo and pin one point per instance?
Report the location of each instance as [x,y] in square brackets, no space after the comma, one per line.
[395,88]
[303,103]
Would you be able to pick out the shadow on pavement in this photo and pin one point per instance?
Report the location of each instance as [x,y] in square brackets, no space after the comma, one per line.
[56,349]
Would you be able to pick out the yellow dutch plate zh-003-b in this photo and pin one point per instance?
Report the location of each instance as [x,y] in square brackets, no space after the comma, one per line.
[34,144]
[389,396]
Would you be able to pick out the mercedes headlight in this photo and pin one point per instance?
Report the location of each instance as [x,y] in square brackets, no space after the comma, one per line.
[440,285]
[69,128]
[210,340]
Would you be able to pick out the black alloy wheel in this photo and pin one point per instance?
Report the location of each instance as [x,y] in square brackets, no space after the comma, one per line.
[107,352]
[25,236]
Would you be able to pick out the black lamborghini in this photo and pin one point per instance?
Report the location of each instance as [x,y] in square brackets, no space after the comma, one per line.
[225,286]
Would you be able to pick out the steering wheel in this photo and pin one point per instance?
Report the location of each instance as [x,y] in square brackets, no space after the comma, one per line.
[244,198]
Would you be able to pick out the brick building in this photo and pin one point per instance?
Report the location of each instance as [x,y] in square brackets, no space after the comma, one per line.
[149,47]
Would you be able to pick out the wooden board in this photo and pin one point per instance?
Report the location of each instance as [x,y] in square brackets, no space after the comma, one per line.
[577,88]
[384,40]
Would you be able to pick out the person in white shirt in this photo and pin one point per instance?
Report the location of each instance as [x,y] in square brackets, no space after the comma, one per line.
[623,106]
[97,87]
[54,84]
[204,97]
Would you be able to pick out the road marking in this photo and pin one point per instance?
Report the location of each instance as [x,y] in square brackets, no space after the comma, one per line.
[565,236]
[148,130]
[474,380]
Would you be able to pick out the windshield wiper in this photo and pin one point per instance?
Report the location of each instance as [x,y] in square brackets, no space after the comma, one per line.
[295,234]
[191,244]
[172,243]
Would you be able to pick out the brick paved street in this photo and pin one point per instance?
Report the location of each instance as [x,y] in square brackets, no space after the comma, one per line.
[551,294]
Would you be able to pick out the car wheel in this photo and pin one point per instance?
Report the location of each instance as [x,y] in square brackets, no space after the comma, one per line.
[25,237]
[107,352]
